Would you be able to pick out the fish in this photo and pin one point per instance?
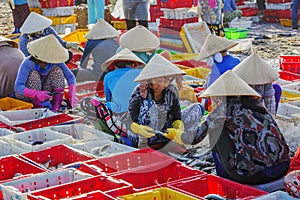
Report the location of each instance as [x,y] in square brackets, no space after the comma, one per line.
[37,143]
[214,197]
[100,150]
[201,163]
[179,157]
[47,164]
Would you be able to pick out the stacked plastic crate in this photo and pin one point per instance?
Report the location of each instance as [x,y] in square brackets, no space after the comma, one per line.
[61,13]
[176,14]
[275,8]
[249,8]
[34,6]
[285,17]
[155,13]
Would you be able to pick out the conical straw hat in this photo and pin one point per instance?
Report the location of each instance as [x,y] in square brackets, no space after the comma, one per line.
[229,84]
[48,49]
[139,39]
[254,70]
[158,66]
[124,55]
[214,44]
[9,41]
[34,23]
[102,30]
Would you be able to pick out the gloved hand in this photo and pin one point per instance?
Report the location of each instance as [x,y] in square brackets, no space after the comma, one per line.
[11,3]
[39,94]
[176,132]
[73,45]
[72,95]
[145,131]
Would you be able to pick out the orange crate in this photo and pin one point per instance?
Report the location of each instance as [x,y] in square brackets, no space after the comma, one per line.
[8,103]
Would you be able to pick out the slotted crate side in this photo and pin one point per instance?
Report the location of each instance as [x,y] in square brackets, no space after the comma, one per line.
[129,160]
[81,132]
[7,148]
[12,167]
[157,174]
[42,180]
[68,190]
[38,139]
[56,156]
[210,184]
[109,148]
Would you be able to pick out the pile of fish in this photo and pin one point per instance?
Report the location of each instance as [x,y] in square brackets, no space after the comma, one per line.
[198,158]
[6,19]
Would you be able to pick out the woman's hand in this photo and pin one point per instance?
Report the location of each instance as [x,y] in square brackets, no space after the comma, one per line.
[145,131]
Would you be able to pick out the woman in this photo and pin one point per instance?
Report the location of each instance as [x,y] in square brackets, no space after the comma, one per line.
[230,11]
[20,11]
[42,74]
[10,60]
[141,42]
[119,83]
[101,45]
[259,74]
[211,13]
[36,26]
[154,107]
[246,142]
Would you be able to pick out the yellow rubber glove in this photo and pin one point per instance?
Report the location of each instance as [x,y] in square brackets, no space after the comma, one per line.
[145,131]
[176,132]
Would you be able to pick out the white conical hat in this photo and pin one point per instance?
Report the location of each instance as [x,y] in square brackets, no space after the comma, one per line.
[229,84]
[158,66]
[124,55]
[34,23]
[254,70]
[214,44]
[9,41]
[102,30]
[48,49]
[139,39]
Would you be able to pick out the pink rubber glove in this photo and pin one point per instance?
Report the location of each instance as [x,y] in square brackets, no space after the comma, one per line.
[39,94]
[212,3]
[72,95]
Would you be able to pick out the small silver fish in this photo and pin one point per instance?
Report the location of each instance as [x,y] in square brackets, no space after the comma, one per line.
[178,156]
[100,150]
[47,164]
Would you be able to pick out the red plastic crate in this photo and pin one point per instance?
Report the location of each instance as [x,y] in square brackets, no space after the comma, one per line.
[272,13]
[12,165]
[279,1]
[129,161]
[56,3]
[289,76]
[290,63]
[192,63]
[77,188]
[289,58]
[87,89]
[3,125]
[210,184]
[176,4]
[59,119]
[249,11]
[157,174]
[59,155]
[96,195]
[176,24]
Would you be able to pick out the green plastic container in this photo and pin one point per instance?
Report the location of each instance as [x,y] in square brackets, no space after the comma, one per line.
[235,33]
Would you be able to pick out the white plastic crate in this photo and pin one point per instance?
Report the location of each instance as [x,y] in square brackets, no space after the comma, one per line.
[81,132]
[250,4]
[179,13]
[196,34]
[279,6]
[17,189]
[295,87]
[287,110]
[22,116]
[240,23]
[58,11]
[109,148]
[7,148]
[4,132]
[64,28]
[42,137]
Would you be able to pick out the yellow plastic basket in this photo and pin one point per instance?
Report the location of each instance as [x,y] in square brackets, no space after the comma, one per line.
[57,20]
[36,10]
[119,25]
[76,36]
[198,72]
[184,56]
[158,194]
[8,103]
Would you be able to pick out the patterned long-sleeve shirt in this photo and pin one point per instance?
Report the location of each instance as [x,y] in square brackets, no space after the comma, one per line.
[257,139]
[27,66]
